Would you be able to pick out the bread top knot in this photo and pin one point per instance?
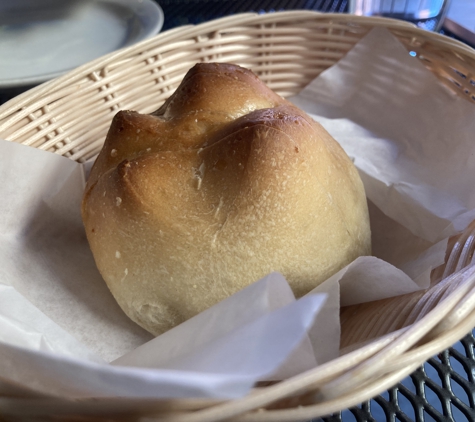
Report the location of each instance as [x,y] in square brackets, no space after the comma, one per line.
[210,96]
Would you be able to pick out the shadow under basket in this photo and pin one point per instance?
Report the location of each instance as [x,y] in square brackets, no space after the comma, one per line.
[71,115]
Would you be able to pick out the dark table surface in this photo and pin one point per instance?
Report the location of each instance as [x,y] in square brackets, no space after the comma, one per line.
[443,389]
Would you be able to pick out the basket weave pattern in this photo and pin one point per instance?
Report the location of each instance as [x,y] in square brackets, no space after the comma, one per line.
[70,116]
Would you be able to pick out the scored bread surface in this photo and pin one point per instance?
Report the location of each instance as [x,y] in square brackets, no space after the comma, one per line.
[223,184]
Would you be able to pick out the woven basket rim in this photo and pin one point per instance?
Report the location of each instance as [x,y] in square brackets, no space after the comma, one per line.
[223,22]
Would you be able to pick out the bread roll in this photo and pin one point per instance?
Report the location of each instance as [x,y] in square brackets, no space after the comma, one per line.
[223,184]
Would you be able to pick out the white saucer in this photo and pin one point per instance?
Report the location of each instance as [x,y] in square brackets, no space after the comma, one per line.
[40,40]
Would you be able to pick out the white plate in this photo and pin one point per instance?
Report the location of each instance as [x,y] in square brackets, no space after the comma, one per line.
[40,40]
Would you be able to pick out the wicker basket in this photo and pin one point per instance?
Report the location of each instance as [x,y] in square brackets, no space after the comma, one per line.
[70,116]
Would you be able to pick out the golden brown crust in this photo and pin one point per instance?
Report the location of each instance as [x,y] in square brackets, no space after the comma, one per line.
[223,184]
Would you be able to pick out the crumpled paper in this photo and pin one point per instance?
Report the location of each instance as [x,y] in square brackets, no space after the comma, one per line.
[59,325]
[409,135]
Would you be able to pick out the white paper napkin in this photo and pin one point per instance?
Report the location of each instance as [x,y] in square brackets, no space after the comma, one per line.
[410,137]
